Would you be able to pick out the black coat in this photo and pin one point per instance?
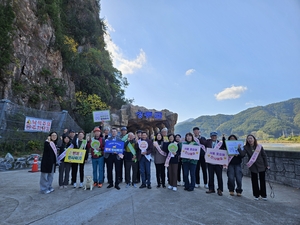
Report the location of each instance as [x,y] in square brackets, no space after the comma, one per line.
[49,159]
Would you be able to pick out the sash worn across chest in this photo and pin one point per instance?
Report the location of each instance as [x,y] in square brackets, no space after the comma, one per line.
[254,156]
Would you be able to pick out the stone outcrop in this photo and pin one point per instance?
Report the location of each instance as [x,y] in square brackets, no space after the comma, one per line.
[35,61]
[140,118]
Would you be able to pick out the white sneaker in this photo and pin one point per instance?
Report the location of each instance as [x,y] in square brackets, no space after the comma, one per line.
[265,199]
[170,187]
[197,185]
[51,190]
[206,186]
[65,186]
[183,183]
[75,185]
[80,185]
[174,188]
[178,183]
[256,198]
[61,187]
[47,192]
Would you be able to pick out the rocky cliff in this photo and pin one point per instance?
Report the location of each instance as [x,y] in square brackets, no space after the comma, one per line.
[37,67]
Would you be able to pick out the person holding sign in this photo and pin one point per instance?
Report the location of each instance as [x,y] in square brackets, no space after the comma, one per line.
[173,152]
[234,170]
[79,143]
[189,164]
[64,167]
[96,147]
[159,159]
[48,164]
[113,158]
[144,150]
[258,164]
[214,168]
[130,160]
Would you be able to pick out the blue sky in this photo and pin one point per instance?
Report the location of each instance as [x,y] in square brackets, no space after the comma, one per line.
[205,57]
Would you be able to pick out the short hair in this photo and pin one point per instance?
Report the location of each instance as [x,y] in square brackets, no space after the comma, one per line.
[144,132]
[196,128]
[232,135]
[164,129]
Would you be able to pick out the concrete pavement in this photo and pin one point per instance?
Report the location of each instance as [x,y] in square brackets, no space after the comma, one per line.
[21,203]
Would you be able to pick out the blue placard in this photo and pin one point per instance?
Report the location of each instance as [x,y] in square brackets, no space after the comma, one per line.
[114,147]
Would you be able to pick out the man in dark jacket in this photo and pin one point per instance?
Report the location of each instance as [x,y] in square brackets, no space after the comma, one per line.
[111,159]
[144,150]
[201,162]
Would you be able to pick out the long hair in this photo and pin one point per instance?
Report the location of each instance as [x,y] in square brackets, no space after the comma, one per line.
[53,132]
[232,135]
[189,134]
[255,141]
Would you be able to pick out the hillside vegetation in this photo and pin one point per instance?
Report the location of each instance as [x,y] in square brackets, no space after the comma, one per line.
[272,121]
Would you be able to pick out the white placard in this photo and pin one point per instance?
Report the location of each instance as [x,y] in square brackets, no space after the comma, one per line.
[232,146]
[103,115]
[37,125]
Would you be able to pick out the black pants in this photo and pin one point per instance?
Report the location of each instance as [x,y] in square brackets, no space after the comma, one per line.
[180,166]
[122,163]
[74,172]
[110,161]
[201,163]
[160,173]
[259,190]
[138,174]
[212,169]
[128,166]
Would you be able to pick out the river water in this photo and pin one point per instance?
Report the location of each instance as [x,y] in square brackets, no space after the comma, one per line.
[281,146]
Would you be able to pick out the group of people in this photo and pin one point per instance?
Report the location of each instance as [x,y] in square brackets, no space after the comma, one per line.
[165,149]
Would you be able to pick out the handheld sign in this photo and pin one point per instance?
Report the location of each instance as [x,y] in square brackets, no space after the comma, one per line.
[216,156]
[143,145]
[114,147]
[173,147]
[75,155]
[190,151]
[232,146]
[96,144]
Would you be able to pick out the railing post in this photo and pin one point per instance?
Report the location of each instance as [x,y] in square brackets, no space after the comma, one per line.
[62,120]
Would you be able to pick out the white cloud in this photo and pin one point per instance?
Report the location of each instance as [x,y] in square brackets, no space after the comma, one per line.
[189,72]
[126,66]
[231,93]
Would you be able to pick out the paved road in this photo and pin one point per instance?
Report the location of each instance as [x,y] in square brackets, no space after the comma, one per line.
[21,203]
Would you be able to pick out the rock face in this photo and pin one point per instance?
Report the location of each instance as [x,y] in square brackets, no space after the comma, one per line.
[35,61]
[140,118]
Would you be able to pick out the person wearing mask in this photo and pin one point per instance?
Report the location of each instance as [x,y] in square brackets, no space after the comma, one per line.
[201,163]
[48,164]
[79,143]
[258,164]
[113,159]
[144,158]
[97,158]
[159,159]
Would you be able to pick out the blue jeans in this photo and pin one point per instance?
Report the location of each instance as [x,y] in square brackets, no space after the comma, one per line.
[235,174]
[145,170]
[189,168]
[98,169]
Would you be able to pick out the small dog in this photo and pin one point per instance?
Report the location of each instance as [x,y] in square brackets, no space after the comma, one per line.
[88,183]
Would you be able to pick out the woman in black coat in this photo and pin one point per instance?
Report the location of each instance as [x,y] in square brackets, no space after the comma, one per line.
[48,163]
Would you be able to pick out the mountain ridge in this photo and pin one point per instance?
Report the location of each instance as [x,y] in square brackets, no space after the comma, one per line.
[270,121]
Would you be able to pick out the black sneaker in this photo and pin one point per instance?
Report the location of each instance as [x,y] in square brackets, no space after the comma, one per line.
[110,186]
[117,187]
[149,186]
[143,186]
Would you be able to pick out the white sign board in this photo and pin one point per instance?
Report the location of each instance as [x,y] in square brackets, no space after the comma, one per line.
[99,116]
[37,125]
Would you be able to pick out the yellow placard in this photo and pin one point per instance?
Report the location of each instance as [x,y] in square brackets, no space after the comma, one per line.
[75,155]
